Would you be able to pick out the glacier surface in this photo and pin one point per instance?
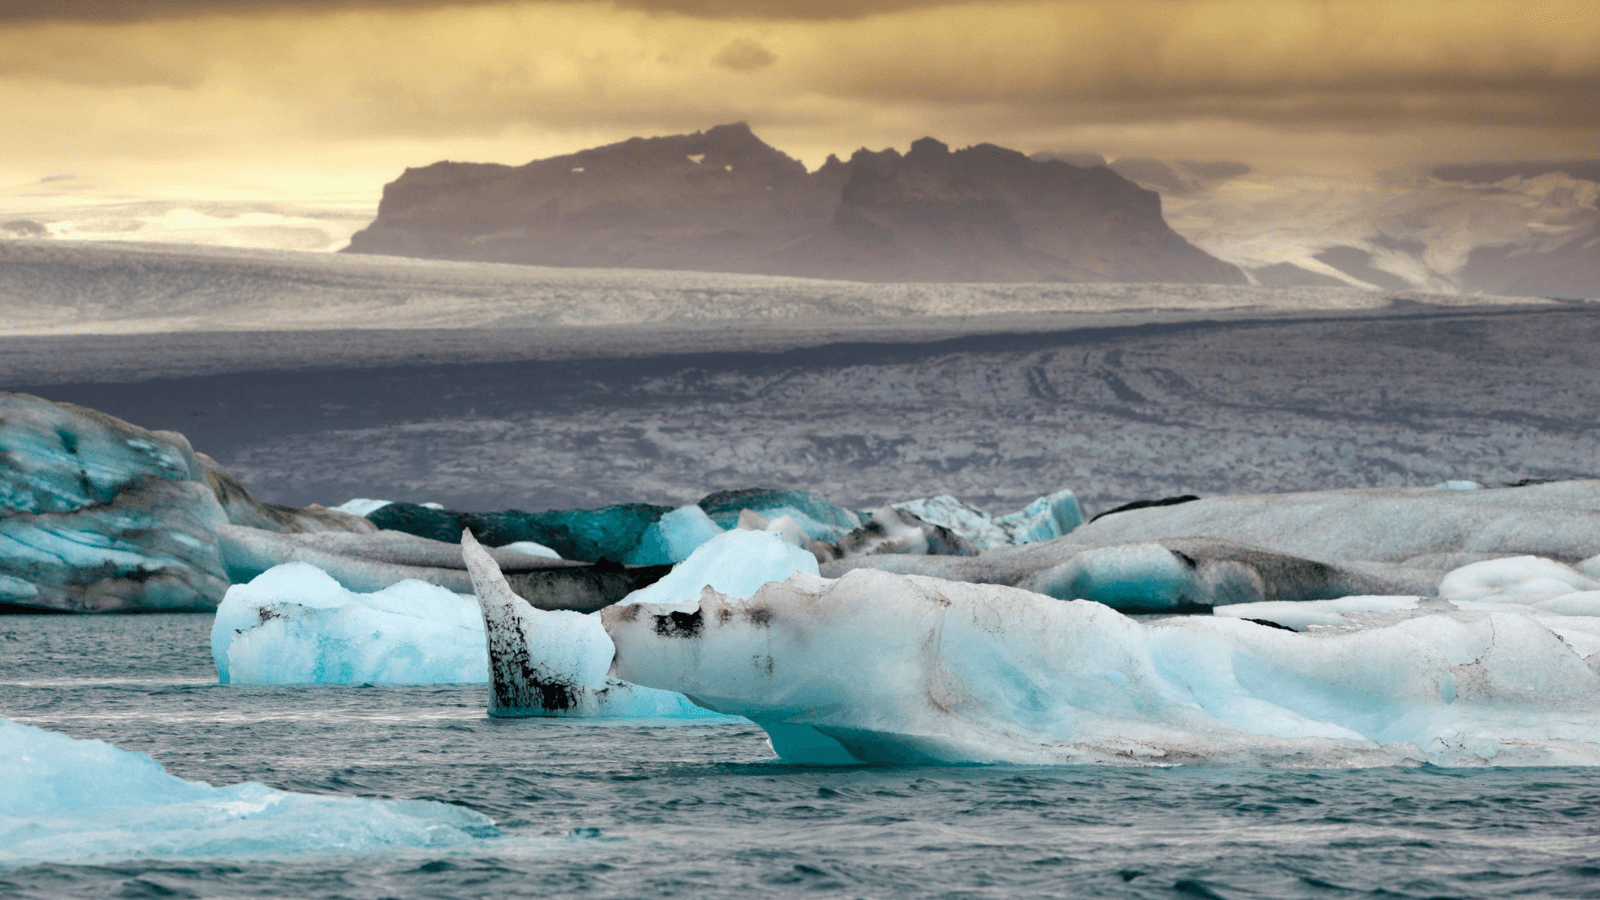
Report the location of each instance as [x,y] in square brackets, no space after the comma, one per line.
[885,668]
[83,801]
[294,624]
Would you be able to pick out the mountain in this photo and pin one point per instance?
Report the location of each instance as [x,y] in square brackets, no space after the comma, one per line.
[722,200]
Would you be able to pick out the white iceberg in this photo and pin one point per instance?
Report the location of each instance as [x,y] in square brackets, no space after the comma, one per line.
[884,668]
[554,663]
[294,624]
[81,801]
[1518,583]
[531,548]
[1523,580]
[362,506]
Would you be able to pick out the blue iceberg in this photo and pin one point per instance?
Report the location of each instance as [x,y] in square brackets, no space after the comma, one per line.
[294,624]
[80,801]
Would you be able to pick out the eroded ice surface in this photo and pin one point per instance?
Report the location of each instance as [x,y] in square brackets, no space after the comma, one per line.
[555,663]
[887,668]
[294,624]
[81,801]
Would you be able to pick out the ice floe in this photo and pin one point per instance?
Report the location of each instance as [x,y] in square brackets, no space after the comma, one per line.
[83,801]
[885,668]
[296,625]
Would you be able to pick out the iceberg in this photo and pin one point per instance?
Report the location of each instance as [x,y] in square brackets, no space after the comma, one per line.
[554,663]
[821,519]
[1524,580]
[82,801]
[98,515]
[362,506]
[294,624]
[899,531]
[1046,518]
[883,668]
[671,538]
[371,562]
[611,533]
[1519,583]
[1311,545]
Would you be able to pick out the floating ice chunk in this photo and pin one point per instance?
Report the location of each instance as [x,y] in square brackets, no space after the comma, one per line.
[1048,517]
[81,801]
[902,532]
[1136,576]
[884,668]
[544,663]
[789,528]
[361,506]
[294,624]
[671,538]
[1517,579]
[821,519]
[734,562]
[1044,519]
[1459,486]
[532,549]
[431,505]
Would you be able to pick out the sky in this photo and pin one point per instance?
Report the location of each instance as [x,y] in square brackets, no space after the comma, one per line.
[259,98]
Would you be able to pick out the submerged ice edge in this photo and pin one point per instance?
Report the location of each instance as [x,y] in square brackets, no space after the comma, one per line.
[70,800]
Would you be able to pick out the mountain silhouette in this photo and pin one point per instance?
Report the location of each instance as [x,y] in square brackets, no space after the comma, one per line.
[722,200]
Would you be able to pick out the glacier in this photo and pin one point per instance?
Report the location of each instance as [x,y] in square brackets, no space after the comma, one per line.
[294,624]
[883,668]
[76,801]
[554,663]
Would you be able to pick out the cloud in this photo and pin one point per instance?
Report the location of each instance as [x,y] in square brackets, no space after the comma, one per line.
[1170,79]
[743,55]
[1180,177]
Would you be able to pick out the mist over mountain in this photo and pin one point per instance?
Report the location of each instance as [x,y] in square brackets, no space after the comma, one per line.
[1519,228]
[722,200]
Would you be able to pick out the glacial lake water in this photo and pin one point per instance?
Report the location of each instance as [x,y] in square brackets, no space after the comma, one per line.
[588,809]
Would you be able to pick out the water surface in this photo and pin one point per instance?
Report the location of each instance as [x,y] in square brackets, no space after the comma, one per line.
[659,810]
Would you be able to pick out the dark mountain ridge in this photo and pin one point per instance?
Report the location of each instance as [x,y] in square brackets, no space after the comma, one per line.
[722,200]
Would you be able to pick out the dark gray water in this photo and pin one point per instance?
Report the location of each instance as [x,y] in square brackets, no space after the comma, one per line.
[593,810]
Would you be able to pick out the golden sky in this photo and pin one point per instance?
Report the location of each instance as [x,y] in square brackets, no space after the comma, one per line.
[339,95]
